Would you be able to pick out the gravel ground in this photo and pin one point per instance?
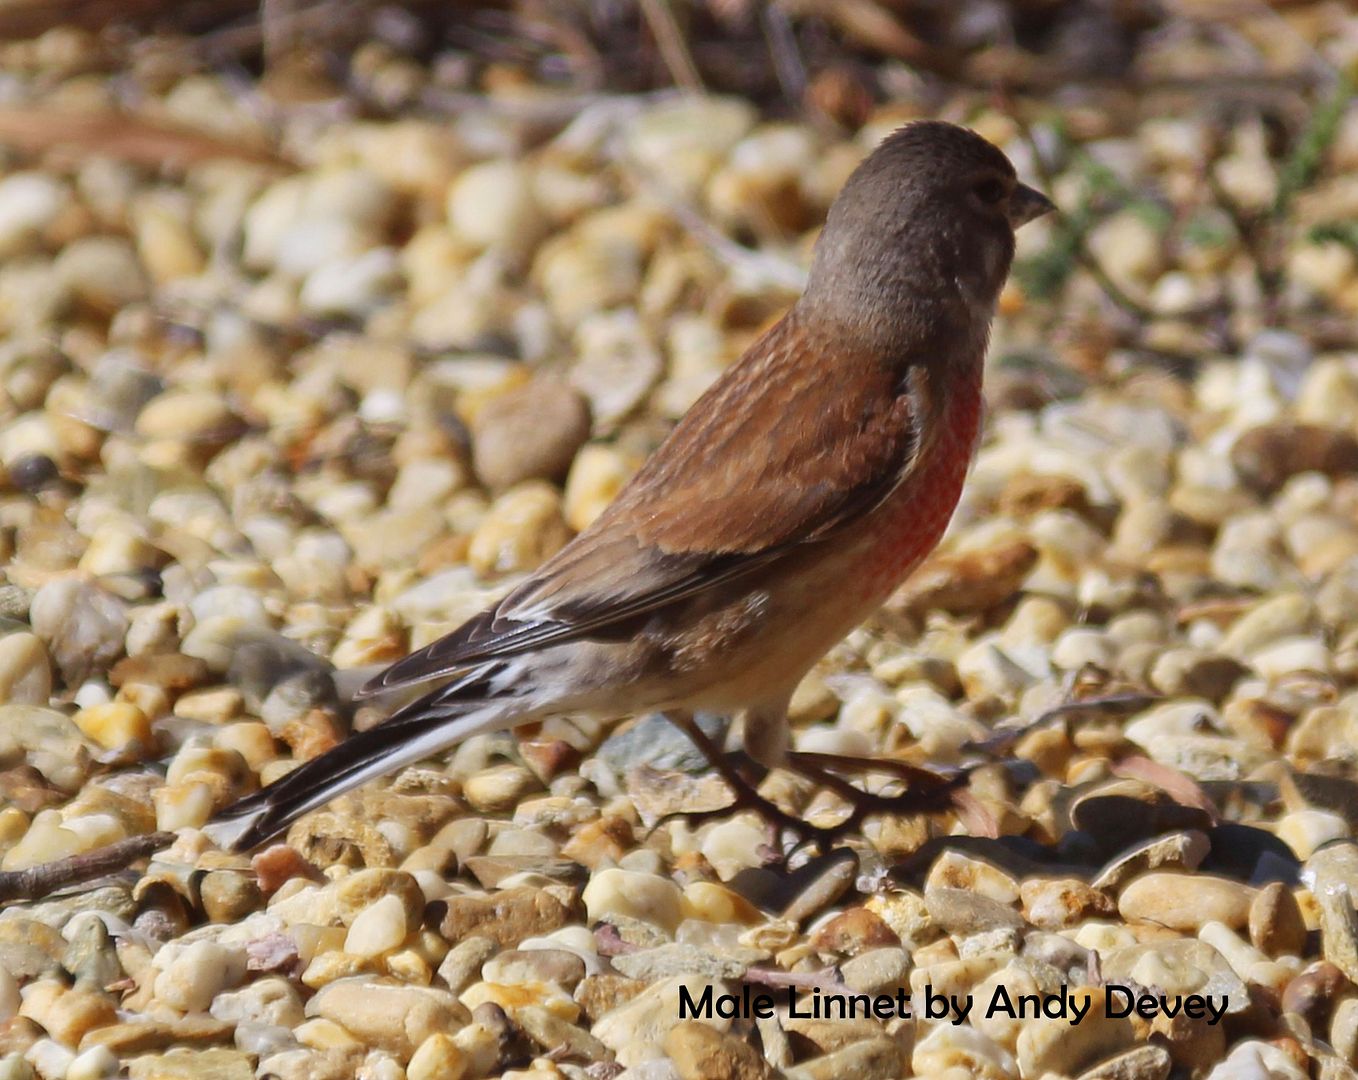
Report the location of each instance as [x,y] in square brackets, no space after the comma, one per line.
[287,393]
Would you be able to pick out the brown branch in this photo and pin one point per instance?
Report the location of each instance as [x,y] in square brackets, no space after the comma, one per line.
[761,265]
[46,878]
[1080,247]
[134,139]
[1086,259]
[669,39]
[1253,230]
[1118,704]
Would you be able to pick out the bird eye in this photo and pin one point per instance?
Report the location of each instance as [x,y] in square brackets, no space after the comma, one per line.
[990,191]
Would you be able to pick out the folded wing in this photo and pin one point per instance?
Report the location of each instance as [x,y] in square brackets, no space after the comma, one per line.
[704,509]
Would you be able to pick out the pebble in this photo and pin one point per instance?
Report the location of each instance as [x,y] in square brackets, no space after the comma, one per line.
[492,204]
[1185,902]
[1056,903]
[182,1064]
[9,996]
[1339,929]
[140,1036]
[1123,812]
[649,965]
[1185,849]
[1312,993]
[1143,1063]
[950,1050]
[437,1058]
[877,970]
[81,625]
[1344,1030]
[617,365]
[1252,1058]
[378,928]
[634,895]
[116,726]
[1276,925]
[393,1017]
[596,476]
[25,672]
[67,1014]
[529,433]
[854,931]
[270,1000]
[1306,831]
[700,1052]
[192,975]
[498,788]
[521,530]
[101,272]
[1055,1045]
[507,917]
[870,1059]
[30,202]
[953,870]
[96,1063]
[647,1018]
[962,912]
[49,1059]
[732,846]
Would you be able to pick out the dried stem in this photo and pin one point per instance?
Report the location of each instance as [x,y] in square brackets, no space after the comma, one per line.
[1079,245]
[669,39]
[39,128]
[762,266]
[39,881]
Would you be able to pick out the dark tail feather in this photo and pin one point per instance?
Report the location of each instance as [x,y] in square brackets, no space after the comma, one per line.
[420,730]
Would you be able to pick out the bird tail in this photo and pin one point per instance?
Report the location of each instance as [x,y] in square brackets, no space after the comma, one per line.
[419,730]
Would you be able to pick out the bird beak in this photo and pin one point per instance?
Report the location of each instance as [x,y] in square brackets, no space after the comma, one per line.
[1026,204]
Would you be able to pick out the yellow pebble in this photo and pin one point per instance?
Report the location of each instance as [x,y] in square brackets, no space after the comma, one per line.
[114,726]
[437,1058]
[715,903]
[515,996]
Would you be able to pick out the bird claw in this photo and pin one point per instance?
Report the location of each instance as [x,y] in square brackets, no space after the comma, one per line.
[864,804]
[928,791]
[778,819]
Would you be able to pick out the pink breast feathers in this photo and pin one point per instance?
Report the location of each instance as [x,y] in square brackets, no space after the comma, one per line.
[915,518]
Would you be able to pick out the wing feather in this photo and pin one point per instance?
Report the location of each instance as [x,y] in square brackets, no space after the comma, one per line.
[704,510]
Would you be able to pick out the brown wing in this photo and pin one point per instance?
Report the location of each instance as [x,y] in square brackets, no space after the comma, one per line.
[795,440]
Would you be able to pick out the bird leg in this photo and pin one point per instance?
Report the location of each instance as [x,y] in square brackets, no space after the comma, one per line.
[929,791]
[745,795]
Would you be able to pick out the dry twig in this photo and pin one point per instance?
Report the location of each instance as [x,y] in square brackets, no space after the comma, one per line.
[152,143]
[39,881]
[669,39]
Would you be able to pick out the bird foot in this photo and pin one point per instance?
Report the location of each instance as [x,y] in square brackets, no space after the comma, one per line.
[779,822]
[927,792]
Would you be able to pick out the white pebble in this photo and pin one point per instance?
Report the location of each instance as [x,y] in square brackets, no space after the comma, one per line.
[96,1063]
[49,1059]
[378,928]
[29,202]
[1306,830]
[654,899]
[197,973]
[732,846]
